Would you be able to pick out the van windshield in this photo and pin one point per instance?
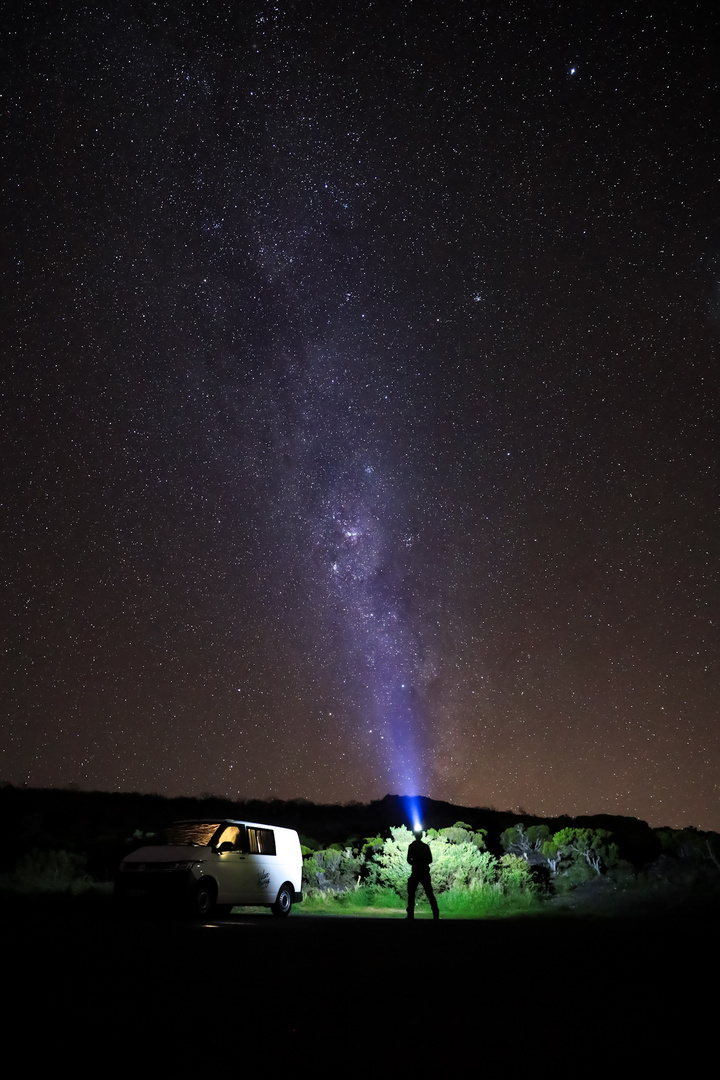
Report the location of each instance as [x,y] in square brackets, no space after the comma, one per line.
[191,833]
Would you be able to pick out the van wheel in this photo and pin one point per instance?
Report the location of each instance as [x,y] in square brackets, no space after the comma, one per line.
[284,902]
[203,900]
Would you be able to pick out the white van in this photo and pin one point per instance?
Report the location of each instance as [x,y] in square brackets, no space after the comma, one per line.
[214,865]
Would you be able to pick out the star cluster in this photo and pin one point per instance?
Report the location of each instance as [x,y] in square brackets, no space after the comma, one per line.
[360,402]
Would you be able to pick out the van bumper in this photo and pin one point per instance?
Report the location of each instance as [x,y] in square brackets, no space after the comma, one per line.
[154,888]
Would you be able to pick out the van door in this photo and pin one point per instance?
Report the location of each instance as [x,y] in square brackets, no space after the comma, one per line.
[236,871]
[264,859]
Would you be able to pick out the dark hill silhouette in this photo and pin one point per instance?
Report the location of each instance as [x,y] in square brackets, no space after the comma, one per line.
[104,825]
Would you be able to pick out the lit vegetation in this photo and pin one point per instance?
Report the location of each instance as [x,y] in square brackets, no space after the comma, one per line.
[469,881]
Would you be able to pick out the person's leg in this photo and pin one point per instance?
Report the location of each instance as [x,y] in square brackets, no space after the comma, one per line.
[412,889]
[427,886]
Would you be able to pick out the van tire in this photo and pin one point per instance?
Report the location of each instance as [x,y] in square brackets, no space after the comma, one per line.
[284,902]
[203,900]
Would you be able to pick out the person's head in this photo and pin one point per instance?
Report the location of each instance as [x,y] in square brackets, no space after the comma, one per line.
[418,834]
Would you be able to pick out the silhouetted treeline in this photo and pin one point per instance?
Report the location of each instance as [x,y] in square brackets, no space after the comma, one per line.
[105,825]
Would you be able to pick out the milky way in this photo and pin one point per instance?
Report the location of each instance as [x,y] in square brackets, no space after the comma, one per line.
[360,413]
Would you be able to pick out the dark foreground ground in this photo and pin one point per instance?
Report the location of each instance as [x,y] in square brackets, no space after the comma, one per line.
[334,996]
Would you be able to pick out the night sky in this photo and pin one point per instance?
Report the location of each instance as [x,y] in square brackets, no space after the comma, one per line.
[359,402]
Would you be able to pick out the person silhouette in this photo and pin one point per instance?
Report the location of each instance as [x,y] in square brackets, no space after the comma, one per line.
[420,856]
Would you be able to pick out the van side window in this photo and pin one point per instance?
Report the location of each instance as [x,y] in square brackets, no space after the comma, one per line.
[232,834]
[261,841]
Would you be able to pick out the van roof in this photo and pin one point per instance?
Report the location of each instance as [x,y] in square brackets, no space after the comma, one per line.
[210,820]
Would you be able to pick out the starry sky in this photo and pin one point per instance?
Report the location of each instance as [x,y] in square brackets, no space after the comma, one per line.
[359,401]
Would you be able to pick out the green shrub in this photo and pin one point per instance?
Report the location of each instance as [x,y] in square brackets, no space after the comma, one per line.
[50,871]
[515,875]
[454,864]
[577,873]
[336,868]
[460,833]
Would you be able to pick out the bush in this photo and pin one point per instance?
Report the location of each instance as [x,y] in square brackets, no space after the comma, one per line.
[454,865]
[577,873]
[50,871]
[332,869]
[460,833]
[515,876]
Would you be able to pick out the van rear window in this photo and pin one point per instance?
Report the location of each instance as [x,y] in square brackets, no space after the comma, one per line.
[261,841]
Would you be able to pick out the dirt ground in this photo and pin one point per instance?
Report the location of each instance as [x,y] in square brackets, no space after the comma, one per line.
[338,995]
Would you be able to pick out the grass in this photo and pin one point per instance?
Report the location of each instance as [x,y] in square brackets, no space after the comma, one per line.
[489,903]
[374,902]
[365,900]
